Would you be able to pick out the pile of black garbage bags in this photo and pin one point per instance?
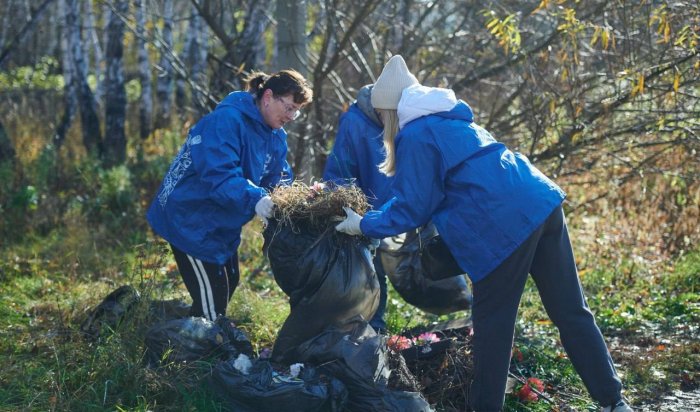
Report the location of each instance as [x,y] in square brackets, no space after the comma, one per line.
[326,356]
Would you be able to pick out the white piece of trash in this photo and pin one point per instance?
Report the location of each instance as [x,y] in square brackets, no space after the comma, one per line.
[243,364]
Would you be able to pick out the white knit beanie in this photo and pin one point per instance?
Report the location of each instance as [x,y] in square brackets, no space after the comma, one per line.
[395,77]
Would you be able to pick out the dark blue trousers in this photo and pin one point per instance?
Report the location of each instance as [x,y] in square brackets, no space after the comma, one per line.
[548,257]
[378,322]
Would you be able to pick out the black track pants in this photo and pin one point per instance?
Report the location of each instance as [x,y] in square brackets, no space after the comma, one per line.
[210,285]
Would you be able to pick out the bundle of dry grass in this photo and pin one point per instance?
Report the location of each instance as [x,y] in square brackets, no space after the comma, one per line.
[318,204]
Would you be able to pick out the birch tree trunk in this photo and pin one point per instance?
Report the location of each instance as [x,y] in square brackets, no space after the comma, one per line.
[92,42]
[194,58]
[291,35]
[89,120]
[14,43]
[115,104]
[200,52]
[291,53]
[5,22]
[251,48]
[164,87]
[146,101]
[70,89]
[186,58]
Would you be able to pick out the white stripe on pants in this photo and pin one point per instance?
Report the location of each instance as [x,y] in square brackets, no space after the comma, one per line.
[204,288]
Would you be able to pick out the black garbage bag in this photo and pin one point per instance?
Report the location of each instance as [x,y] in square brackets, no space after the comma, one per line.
[168,309]
[262,389]
[186,340]
[402,258]
[328,276]
[358,359]
[239,340]
[107,315]
[437,260]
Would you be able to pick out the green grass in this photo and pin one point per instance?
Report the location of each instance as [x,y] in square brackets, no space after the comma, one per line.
[649,319]
[46,292]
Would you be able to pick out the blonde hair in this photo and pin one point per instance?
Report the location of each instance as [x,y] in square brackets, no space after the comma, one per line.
[390,119]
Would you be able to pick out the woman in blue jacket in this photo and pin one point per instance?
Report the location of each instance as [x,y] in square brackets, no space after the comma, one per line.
[220,179]
[357,150]
[501,218]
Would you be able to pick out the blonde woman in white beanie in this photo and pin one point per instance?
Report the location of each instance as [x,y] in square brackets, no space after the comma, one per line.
[501,218]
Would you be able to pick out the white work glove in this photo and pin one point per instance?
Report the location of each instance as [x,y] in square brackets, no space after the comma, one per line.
[351,224]
[264,208]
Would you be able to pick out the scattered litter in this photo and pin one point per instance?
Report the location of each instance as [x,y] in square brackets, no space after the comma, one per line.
[243,364]
[295,369]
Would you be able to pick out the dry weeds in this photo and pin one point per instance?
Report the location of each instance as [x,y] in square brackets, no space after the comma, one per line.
[318,204]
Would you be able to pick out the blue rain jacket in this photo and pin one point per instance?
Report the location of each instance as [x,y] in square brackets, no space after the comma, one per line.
[357,151]
[484,199]
[230,160]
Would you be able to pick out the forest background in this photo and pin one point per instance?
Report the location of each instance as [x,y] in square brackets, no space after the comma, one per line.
[97,96]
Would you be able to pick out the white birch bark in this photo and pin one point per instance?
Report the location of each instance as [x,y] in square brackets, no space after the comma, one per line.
[164,86]
[115,104]
[146,101]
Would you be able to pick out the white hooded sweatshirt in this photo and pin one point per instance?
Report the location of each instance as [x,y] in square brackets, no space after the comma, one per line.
[418,101]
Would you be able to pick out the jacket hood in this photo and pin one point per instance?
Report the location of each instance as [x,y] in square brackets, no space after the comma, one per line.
[364,102]
[419,101]
[244,102]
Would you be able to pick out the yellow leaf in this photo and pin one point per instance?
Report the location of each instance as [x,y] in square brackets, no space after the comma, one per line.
[661,123]
[639,87]
[676,82]
[552,106]
[596,34]
[543,5]
[605,36]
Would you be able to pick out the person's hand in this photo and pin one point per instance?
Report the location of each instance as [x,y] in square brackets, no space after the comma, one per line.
[264,208]
[351,224]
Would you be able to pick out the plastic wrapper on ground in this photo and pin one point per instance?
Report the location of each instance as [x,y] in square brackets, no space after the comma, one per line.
[263,389]
[190,339]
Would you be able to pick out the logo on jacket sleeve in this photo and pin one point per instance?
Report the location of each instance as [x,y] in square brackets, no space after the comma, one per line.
[266,166]
[182,162]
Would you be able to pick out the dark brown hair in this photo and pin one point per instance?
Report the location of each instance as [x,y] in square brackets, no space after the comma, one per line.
[283,83]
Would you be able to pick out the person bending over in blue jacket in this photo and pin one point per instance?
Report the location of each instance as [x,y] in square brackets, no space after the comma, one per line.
[357,151]
[220,180]
[501,218]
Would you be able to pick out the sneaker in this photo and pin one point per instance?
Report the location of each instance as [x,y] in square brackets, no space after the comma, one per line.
[620,406]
